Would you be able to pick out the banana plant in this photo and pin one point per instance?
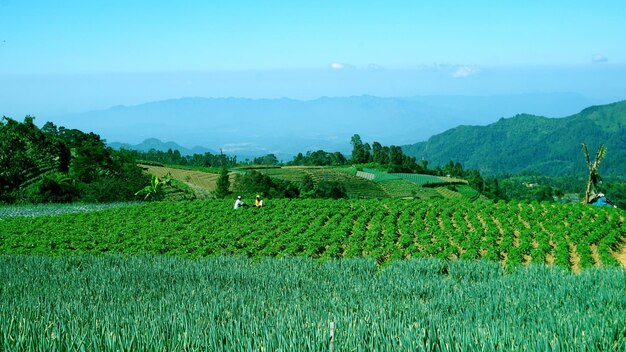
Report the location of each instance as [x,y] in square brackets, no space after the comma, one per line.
[154,191]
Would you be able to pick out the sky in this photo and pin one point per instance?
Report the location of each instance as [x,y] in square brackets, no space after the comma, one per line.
[61,57]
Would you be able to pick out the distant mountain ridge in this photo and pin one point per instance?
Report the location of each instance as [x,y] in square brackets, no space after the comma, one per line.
[551,146]
[285,126]
[156,144]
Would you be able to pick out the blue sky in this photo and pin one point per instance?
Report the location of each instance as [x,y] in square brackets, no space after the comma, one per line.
[59,57]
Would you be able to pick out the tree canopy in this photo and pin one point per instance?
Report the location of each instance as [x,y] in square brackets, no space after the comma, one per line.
[56,164]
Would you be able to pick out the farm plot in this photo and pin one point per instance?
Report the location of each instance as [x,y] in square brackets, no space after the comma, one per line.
[576,237]
[202,183]
[137,303]
[356,187]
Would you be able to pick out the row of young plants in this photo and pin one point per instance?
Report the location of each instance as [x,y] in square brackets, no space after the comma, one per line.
[231,303]
[512,233]
[34,210]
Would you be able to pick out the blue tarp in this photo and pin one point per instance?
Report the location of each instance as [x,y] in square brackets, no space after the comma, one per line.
[602,202]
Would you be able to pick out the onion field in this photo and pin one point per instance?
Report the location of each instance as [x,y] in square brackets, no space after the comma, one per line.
[168,303]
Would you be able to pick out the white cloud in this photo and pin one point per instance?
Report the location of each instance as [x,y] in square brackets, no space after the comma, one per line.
[465,71]
[375,67]
[337,66]
[599,58]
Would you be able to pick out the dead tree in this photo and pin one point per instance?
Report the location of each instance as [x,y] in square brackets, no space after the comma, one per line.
[594,176]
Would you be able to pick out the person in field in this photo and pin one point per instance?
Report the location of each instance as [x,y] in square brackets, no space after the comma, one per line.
[258,202]
[239,203]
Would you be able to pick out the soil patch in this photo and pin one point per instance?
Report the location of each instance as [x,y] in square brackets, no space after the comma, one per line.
[621,256]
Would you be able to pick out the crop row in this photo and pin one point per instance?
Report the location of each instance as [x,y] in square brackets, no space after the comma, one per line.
[573,236]
[34,210]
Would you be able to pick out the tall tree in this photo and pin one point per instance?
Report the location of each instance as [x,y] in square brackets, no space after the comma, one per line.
[222,188]
[377,149]
[358,151]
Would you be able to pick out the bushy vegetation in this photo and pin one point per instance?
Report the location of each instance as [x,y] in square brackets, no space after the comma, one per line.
[55,164]
[174,157]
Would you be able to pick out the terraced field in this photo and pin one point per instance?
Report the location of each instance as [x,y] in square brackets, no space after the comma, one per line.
[202,183]
[356,187]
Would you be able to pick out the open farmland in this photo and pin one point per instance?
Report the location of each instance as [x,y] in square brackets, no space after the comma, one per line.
[389,274]
[167,303]
[570,236]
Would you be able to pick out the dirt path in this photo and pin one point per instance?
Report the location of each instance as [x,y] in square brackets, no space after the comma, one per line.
[574,258]
[595,255]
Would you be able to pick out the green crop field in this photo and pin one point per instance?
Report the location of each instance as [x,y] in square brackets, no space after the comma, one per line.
[572,236]
[390,274]
[356,187]
[167,303]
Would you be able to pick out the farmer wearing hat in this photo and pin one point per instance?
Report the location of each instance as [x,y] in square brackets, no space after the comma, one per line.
[258,202]
[239,203]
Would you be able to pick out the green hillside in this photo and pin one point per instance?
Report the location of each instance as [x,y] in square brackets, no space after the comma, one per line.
[551,146]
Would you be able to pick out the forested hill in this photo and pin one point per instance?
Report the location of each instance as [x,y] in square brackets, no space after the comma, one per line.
[551,146]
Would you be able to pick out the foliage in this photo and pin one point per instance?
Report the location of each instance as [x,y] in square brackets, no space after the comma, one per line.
[392,157]
[550,146]
[269,159]
[154,191]
[385,230]
[318,158]
[62,165]
[360,151]
[222,188]
[233,304]
[174,157]
[254,182]
[329,189]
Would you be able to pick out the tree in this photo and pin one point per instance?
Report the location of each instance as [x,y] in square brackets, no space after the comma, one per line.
[594,175]
[377,150]
[222,188]
[359,155]
[269,159]
[329,189]
[395,156]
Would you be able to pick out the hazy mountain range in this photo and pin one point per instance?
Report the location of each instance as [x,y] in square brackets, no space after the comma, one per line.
[285,126]
[550,146]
